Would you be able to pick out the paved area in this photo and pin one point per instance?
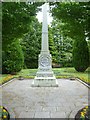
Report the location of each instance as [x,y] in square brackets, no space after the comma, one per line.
[24,101]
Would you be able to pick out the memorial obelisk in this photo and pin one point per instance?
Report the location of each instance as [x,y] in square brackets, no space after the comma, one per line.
[45,76]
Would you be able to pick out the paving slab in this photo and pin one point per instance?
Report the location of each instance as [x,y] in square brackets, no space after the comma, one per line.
[42,115]
[60,114]
[24,114]
[44,102]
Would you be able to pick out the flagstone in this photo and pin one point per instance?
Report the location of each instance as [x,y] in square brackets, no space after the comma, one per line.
[44,102]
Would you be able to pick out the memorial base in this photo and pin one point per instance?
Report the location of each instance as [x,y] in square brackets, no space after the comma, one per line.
[45,76]
[44,82]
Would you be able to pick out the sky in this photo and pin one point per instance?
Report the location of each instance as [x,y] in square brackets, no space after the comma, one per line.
[49,17]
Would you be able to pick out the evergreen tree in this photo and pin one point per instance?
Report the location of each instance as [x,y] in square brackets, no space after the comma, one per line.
[12,59]
[80,55]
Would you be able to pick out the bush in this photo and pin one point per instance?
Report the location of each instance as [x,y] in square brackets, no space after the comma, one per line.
[80,55]
[12,58]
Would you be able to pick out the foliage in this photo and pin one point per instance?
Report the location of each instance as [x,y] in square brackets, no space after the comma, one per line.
[12,59]
[52,47]
[16,18]
[83,114]
[75,17]
[62,44]
[31,45]
[7,78]
[4,114]
[80,55]
[88,42]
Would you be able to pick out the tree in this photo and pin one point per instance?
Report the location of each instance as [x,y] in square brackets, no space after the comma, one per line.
[52,47]
[62,44]
[80,55]
[75,16]
[31,45]
[16,19]
[12,59]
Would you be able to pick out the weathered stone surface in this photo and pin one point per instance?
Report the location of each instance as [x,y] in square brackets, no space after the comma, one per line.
[45,76]
[60,114]
[42,115]
[26,115]
[24,100]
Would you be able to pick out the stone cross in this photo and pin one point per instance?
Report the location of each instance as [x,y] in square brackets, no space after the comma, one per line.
[45,76]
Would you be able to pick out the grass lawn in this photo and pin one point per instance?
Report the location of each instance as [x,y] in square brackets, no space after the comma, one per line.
[59,72]
[71,72]
[5,77]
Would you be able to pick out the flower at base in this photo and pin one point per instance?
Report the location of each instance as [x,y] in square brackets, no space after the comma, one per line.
[4,110]
[86,107]
[4,116]
[82,114]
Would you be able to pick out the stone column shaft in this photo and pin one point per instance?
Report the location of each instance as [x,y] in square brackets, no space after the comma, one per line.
[45,46]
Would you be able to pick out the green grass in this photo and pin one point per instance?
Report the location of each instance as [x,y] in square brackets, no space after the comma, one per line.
[27,73]
[5,77]
[71,72]
[59,72]
[2,77]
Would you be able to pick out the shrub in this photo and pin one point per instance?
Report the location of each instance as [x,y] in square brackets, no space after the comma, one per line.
[12,58]
[80,55]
